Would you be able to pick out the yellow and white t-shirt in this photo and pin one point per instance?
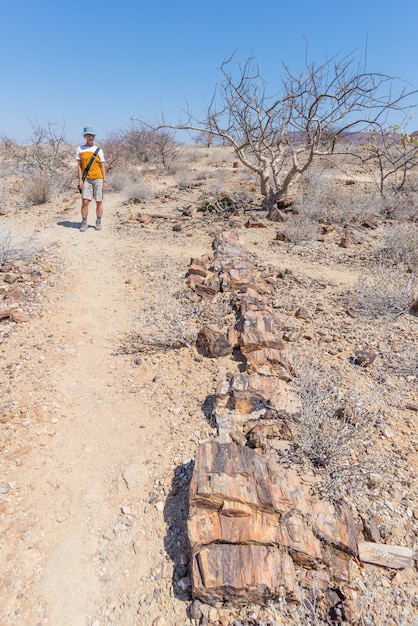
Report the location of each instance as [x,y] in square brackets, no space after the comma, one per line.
[84,154]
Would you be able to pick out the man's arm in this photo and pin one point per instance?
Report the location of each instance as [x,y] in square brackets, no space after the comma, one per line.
[103,168]
[80,174]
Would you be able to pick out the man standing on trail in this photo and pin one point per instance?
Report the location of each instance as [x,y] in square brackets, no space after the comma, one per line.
[91,177]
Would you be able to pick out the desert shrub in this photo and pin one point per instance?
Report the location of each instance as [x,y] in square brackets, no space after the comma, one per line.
[338,412]
[401,244]
[300,228]
[139,191]
[384,290]
[121,178]
[167,319]
[203,174]
[15,246]
[322,197]
[219,182]
[38,189]
[140,144]
[5,245]
[185,178]
[225,203]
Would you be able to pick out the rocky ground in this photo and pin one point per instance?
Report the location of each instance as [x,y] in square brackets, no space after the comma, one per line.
[99,430]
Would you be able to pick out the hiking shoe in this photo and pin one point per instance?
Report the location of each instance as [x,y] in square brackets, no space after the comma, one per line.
[84,226]
[98,226]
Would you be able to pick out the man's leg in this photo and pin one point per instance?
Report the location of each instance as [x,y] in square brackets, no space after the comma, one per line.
[84,214]
[84,208]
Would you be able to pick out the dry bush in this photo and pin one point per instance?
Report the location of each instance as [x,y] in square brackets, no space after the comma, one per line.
[138,191]
[219,183]
[204,174]
[168,319]
[38,189]
[301,228]
[401,245]
[185,178]
[384,290]
[121,178]
[225,203]
[339,411]
[140,144]
[325,198]
[15,246]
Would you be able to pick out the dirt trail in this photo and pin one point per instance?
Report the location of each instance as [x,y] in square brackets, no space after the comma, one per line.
[79,537]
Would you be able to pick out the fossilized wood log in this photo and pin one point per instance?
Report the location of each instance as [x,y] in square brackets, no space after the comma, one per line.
[259,329]
[335,525]
[394,557]
[213,341]
[252,392]
[237,474]
[241,574]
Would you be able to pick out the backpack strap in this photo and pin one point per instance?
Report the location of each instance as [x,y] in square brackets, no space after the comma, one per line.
[89,164]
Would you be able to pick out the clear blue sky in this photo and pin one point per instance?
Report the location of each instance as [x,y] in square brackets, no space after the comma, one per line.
[99,63]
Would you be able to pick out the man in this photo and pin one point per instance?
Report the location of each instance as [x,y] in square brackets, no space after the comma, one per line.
[93,182]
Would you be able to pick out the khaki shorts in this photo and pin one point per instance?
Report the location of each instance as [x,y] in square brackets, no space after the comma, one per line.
[93,188]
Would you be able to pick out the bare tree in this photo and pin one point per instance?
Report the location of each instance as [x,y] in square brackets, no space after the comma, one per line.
[388,155]
[279,136]
[140,144]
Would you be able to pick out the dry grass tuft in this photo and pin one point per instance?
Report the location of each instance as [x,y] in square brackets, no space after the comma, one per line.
[384,291]
[340,408]
[168,319]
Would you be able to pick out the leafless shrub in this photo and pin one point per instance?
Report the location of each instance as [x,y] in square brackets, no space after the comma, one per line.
[185,179]
[38,189]
[167,320]
[384,290]
[140,144]
[5,245]
[15,246]
[138,191]
[300,228]
[325,198]
[225,203]
[43,162]
[203,174]
[401,244]
[339,410]
[376,607]
[120,179]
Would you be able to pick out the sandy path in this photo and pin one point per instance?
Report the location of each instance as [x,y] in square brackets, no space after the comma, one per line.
[77,549]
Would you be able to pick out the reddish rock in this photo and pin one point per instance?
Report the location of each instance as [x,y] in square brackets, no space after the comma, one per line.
[213,341]
[280,236]
[393,557]
[254,222]
[275,215]
[145,219]
[195,268]
[259,329]
[251,393]
[371,530]
[346,240]
[19,317]
[414,307]
[243,574]
[335,525]
[193,280]
[302,314]
[364,357]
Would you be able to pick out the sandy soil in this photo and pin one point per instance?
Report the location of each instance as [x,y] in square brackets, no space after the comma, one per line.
[92,435]
[97,443]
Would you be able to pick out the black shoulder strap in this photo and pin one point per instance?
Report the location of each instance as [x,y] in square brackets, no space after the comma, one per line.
[90,163]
